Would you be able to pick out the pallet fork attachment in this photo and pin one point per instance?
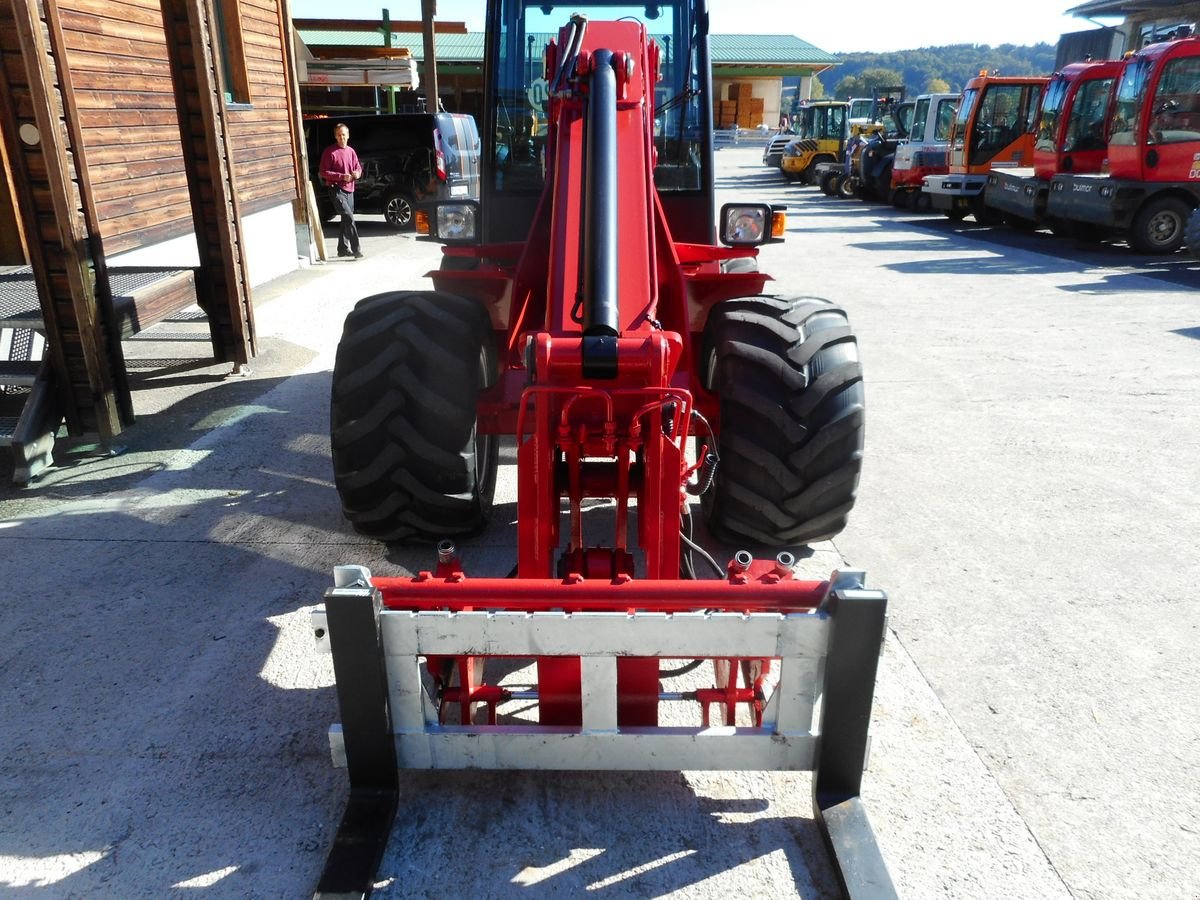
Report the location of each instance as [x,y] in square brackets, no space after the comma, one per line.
[352,631]
[389,718]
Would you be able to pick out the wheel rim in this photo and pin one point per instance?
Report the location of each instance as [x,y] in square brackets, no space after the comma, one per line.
[1163,228]
[398,212]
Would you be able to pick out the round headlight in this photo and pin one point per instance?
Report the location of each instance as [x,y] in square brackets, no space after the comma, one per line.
[746,225]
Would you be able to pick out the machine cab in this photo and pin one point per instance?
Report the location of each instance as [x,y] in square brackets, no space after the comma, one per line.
[1070,135]
[519,99]
[1155,131]
[995,123]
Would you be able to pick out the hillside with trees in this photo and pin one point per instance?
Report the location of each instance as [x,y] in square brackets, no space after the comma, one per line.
[930,69]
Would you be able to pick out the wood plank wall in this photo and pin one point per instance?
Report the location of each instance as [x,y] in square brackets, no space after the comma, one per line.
[50,197]
[263,151]
[117,55]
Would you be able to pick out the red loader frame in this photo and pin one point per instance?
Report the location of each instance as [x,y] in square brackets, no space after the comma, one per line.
[599,318]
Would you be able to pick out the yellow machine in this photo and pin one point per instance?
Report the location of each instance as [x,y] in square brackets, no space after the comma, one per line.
[823,130]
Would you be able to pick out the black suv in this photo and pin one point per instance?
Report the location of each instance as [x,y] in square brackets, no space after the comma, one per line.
[406,158]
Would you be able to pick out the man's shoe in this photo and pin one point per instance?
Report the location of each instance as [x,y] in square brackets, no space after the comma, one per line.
[358,254]
[343,253]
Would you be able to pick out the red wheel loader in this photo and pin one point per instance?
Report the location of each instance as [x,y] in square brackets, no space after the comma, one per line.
[585,309]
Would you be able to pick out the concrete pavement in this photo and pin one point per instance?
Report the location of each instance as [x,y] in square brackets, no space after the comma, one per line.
[1028,502]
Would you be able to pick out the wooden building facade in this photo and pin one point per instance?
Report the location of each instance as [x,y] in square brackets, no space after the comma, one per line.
[129,126]
[116,52]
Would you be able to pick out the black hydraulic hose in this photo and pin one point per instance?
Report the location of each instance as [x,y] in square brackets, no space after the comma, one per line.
[681,670]
[601,310]
[706,475]
[570,52]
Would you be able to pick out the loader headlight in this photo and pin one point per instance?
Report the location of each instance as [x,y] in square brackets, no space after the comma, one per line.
[745,225]
[455,223]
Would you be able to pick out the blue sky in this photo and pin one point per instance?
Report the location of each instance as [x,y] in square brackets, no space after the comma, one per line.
[895,27]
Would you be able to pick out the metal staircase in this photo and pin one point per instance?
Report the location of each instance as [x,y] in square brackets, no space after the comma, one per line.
[29,410]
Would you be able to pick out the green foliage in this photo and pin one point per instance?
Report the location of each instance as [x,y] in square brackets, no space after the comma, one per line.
[936,86]
[860,85]
[951,66]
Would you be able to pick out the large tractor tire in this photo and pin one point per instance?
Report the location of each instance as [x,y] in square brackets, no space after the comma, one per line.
[789,381]
[408,462]
[1159,226]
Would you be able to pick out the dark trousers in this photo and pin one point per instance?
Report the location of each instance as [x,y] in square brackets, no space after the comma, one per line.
[343,202]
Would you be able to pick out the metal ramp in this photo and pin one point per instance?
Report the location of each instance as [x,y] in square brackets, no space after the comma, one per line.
[30,409]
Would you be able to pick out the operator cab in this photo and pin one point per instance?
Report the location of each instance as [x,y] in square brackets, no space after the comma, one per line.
[518,106]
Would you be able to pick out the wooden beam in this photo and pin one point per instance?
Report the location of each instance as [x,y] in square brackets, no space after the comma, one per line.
[344,51]
[62,260]
[222,280]
[104,297]
[398,25]
[12,230]
[300,212]
[429,73]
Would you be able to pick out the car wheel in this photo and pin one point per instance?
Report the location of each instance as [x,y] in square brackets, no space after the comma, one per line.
[398,210]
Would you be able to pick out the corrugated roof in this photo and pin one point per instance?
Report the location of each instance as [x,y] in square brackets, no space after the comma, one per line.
[747,49]
[766,48]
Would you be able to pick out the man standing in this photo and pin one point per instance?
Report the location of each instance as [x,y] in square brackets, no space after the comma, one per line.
[339,170]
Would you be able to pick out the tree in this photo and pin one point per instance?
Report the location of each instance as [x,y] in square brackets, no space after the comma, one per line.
[850,86]
[936,86]
[862,84]
[953,64]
